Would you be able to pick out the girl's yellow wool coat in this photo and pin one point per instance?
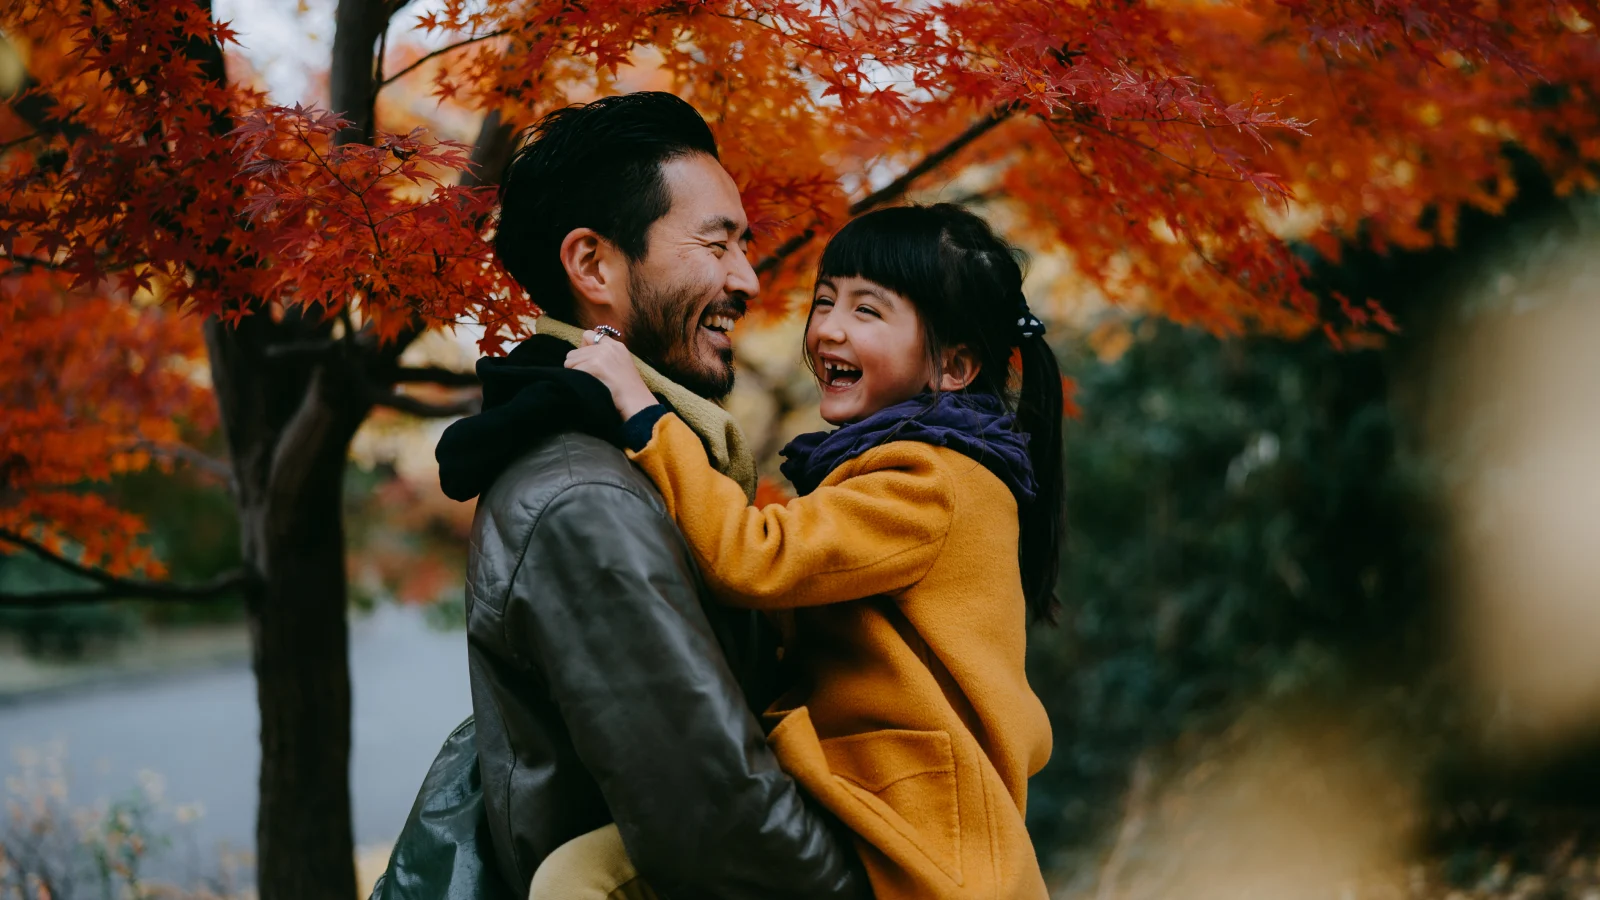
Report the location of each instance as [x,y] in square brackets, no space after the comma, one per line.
[898,586]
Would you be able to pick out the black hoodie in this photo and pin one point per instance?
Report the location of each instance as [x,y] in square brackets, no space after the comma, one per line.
[528,395]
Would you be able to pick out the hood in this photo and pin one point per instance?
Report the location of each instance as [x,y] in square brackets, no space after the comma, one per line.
[528,395]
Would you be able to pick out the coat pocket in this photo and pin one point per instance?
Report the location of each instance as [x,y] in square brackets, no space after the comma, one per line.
[908,779]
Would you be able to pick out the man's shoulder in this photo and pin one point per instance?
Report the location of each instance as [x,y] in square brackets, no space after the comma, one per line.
[586,470]
[527,488]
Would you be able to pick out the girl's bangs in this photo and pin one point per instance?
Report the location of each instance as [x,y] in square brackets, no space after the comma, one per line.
[896,247]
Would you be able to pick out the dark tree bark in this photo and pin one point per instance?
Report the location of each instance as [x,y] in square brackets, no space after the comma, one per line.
[289,418]
[289,422]
[352,77]
[289,426]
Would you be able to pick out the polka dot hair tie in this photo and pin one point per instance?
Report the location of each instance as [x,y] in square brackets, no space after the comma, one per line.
[1028,325]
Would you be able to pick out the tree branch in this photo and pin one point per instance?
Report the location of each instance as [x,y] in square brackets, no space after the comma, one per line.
[212,466]
[437,53]
[112,587]
[7,145]
[39,110]
[132,590]
[317,348]
[897,188]
[34,262]
[352,81]
[432,375]
[423,409]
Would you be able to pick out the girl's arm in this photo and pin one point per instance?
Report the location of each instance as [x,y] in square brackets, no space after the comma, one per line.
[876,532]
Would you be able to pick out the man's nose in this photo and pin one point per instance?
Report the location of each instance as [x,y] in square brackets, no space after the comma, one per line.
[742,276]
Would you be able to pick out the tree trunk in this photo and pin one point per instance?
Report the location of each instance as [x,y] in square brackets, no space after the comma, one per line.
[299,648]
[352,85]
[289,426]
[289,417]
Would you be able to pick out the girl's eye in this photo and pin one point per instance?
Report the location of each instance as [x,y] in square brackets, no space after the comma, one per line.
[869,311]
[822,303]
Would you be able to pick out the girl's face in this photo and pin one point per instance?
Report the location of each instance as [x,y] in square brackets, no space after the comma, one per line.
[867,346]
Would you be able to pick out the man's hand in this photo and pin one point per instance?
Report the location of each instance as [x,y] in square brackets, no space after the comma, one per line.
[609,360]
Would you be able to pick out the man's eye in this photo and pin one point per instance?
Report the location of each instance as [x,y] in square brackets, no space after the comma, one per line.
[721,247]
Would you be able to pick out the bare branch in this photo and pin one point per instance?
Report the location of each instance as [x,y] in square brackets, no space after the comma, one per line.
[437,53]
[205,591]
[785,250]
[316,425]
[302,349]
[432,375]
[210,465]
[897,188]
[423,409]
[112,587]
[42,111]
[323,347]
[101,267]
[7,145]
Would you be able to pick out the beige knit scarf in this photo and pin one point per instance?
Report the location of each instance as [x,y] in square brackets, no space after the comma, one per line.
[725,442]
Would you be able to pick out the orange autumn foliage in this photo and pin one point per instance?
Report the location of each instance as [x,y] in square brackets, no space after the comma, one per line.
[1172,147]
[90,388]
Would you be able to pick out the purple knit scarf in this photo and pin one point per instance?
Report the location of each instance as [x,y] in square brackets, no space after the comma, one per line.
[976,425]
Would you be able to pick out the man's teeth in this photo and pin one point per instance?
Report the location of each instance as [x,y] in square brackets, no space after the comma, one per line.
[719,323]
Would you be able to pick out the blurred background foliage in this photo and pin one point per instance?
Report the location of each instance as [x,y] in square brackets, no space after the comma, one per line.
[194,528]
[1258,544]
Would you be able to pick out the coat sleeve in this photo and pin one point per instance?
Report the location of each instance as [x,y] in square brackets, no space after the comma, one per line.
[876,532]
[606,603]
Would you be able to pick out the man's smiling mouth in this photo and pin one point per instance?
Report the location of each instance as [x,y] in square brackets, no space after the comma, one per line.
[721,323]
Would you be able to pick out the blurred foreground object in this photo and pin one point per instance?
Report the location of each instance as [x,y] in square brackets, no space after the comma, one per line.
[1526,502]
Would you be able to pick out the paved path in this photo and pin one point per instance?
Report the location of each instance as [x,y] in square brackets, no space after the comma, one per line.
[197,730]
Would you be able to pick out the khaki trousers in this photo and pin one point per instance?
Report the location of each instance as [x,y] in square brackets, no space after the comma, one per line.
[592,866]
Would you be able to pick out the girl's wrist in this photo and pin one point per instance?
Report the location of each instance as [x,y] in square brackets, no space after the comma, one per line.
[634,400]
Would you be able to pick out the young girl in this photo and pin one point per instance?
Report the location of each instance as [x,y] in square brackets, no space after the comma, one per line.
[924,537]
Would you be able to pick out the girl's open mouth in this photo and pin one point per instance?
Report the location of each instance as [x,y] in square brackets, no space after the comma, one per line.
[838,375]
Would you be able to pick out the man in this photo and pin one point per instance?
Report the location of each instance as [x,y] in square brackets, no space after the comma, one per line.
[605,686]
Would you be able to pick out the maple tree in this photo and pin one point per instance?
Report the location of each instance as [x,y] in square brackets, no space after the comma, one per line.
[156,213]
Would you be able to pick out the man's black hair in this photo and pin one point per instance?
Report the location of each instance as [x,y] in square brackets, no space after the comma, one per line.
[593,166]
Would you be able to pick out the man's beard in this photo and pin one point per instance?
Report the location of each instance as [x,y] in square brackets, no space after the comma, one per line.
[663,331]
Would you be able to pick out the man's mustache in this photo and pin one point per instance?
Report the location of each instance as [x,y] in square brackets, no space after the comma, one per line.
[733,305]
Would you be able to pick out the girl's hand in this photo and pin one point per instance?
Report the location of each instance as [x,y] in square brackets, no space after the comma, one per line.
[610,361]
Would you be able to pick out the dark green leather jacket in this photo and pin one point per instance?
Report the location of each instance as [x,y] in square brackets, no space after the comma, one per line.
[607,688]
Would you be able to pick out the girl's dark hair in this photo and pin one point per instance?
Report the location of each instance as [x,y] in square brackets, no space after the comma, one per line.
[966,283]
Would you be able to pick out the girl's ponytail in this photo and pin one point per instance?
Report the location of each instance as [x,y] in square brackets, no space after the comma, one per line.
[1039,412]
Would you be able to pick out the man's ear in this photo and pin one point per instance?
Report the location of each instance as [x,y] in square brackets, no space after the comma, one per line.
[598,275]
[957,367]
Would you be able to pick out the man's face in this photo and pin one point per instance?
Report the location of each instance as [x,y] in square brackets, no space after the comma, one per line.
[694,282]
